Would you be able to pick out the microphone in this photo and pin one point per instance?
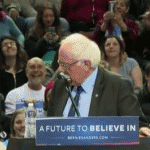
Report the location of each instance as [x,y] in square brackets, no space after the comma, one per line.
[61,75]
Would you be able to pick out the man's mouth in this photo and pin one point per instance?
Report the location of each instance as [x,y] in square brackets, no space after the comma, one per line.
[119,11]
[10,50]
[22,130]
[36,75]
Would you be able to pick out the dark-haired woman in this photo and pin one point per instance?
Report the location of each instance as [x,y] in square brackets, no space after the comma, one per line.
[13,60]
[42,38]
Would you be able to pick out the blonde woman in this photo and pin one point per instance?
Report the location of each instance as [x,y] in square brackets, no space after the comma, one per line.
[17,126]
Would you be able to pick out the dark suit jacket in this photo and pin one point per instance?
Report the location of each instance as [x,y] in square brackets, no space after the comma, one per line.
[112,96]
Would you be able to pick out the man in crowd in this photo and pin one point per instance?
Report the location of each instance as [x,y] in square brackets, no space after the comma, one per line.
[102,93]
[32,90]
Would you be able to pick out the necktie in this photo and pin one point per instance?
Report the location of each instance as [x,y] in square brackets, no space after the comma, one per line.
[76,99]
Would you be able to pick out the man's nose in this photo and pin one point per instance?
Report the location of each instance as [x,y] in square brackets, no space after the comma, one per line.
[36,68]
[111,45]
[61,68]
[49,18]
[9,44]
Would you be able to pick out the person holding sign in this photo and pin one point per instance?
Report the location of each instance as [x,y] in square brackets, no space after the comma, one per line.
[100,92]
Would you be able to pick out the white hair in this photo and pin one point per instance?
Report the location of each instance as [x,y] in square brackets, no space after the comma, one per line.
[83,48]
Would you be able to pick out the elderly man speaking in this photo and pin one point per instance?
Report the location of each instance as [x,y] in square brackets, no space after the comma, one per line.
[100,92]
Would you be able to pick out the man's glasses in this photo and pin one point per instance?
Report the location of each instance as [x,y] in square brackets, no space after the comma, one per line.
[67,65]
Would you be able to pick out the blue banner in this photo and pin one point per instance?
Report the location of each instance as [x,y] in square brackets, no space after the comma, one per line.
[87,131]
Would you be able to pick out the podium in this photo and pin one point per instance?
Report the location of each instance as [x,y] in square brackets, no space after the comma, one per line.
[65,133]
[29,144]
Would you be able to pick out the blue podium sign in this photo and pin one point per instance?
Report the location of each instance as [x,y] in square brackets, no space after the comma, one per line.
[118,130]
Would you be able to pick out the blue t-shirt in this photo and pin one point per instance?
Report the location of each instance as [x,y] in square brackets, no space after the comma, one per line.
[127,68]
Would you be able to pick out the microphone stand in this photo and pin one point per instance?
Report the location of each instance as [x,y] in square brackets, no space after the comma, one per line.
[72,100]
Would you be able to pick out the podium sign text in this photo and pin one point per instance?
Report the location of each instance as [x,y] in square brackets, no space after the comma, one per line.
[119,130]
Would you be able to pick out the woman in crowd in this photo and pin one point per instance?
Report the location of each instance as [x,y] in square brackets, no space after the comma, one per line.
[117,23]
[13,60]
[44,36]
[8,27]
[17,126]
[113,52]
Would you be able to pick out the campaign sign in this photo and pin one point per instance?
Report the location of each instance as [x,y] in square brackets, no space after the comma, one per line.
[103,130]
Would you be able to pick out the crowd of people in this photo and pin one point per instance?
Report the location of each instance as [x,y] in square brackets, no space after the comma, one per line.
[101,50]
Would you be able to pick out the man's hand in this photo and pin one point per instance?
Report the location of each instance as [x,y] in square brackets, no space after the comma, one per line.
[144,132]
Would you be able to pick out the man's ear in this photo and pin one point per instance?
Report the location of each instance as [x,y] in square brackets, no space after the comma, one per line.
[87,65]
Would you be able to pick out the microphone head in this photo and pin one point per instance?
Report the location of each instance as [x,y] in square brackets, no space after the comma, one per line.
[61,75]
